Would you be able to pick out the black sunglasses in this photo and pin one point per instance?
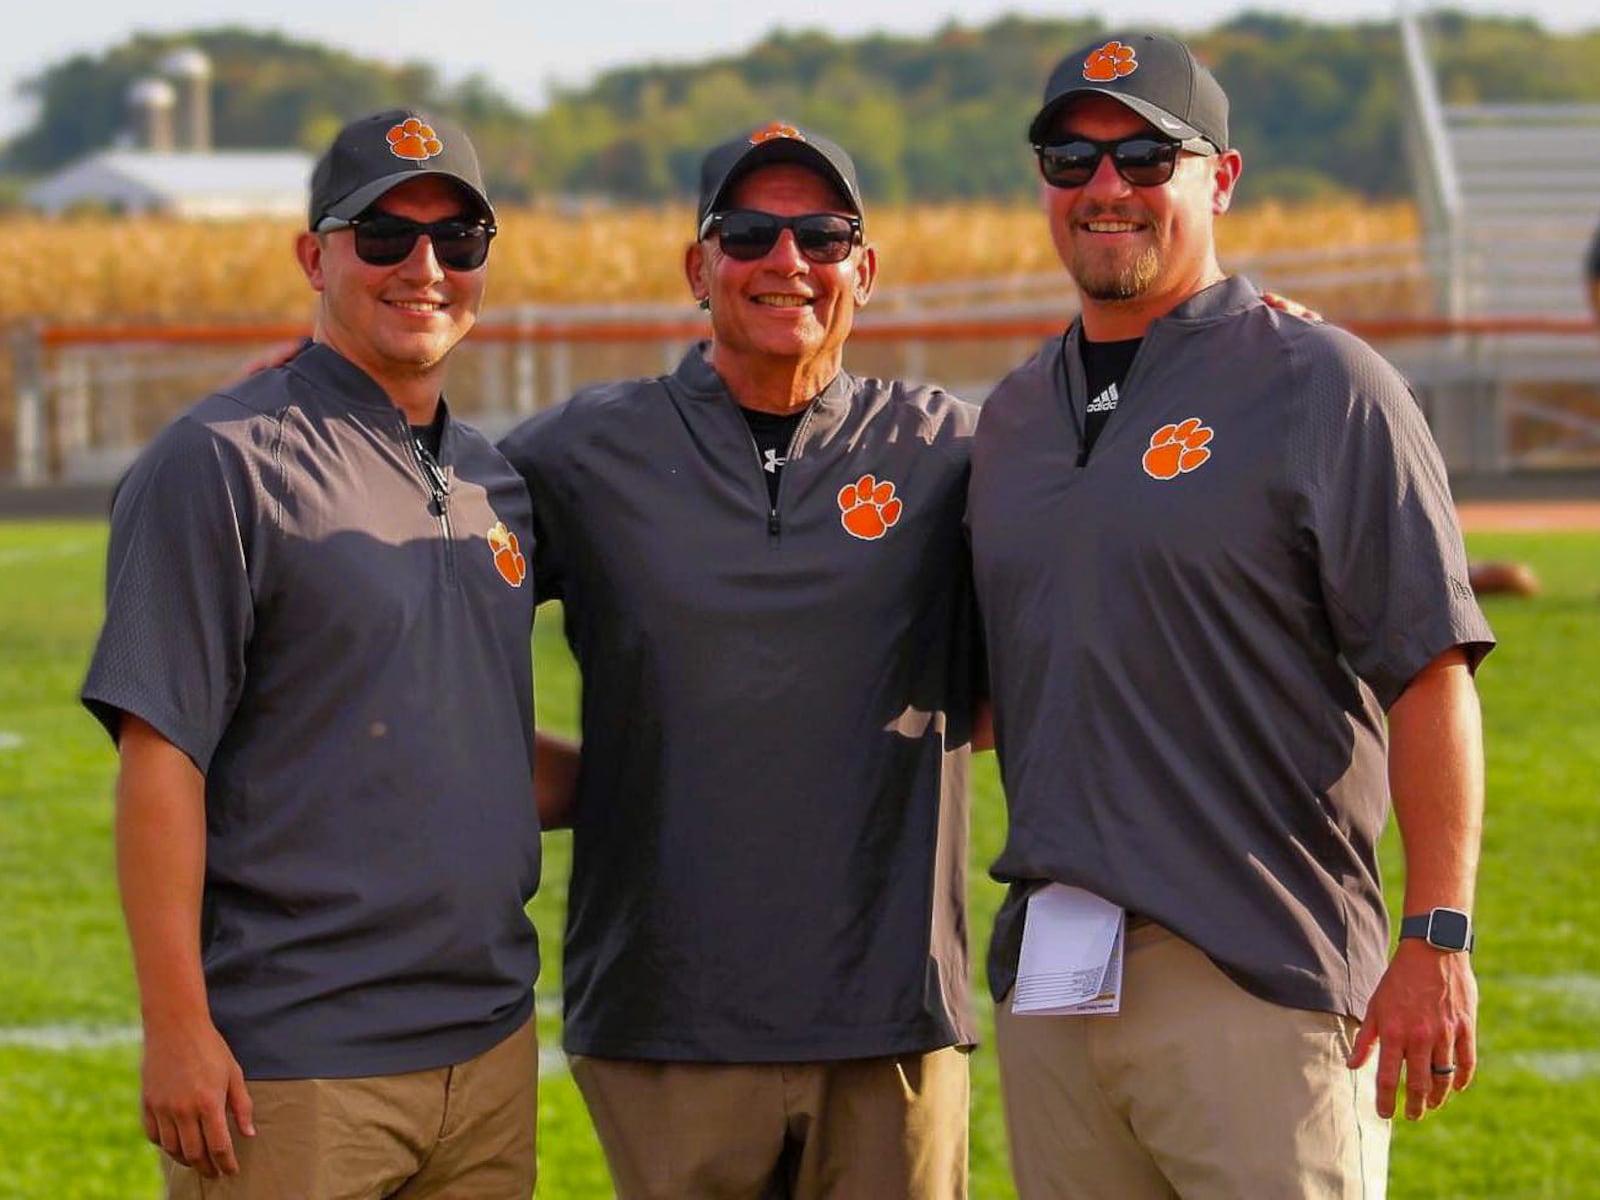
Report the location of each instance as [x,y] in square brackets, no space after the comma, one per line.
[384,239]
[747,234]
[1143,161]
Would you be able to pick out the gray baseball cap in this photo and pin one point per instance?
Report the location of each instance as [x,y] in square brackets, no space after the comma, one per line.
[776,142]
[1156,76]
[373,154]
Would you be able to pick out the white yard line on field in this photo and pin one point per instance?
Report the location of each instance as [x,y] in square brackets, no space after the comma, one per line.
[1580,992]
[70,1039]
[1558,1066]
[11,741]
[14,558]
[1579,996]
[67,1038]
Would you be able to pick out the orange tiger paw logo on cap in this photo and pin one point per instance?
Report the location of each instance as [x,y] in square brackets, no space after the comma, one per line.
[414,140]
[1177,449]
[868,509]
[508,558]
[775,130]
[1111,61]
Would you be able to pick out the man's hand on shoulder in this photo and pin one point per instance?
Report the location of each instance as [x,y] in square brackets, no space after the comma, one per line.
[1292,307]
[1424,1017]
[191,1084]
[273,356]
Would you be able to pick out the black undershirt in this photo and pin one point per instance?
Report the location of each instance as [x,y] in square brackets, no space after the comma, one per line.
[429,436]
[1105,366]
[773,433]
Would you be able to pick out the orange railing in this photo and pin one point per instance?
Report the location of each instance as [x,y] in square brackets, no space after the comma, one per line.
[84,396]
[889,328]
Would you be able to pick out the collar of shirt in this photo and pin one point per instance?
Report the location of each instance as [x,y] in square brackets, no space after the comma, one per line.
[332,374]
[700,380]
[1223,299]
[696,380]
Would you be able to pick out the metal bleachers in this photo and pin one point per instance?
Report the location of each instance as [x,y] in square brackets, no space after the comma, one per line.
[1509,196]
[1530,190]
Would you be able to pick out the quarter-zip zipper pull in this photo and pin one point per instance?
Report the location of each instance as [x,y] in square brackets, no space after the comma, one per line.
[432,473]
[774,525]
[441,486]
[438,487]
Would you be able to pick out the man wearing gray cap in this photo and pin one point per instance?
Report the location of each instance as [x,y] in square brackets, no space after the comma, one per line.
[315,665]
[1216,557]
[766,588]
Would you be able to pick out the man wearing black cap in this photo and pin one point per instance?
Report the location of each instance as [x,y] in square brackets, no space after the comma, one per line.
[1215,555]
[767,592]
[315,665]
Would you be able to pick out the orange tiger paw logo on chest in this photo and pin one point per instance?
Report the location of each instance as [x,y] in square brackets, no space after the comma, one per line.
[868,509]
[508,557]
[1176,449]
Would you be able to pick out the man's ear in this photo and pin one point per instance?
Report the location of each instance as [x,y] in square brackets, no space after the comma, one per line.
[866,275]
[308,253]
[694,270]
[1225,171]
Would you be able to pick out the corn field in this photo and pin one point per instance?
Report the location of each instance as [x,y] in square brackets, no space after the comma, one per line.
[104,269]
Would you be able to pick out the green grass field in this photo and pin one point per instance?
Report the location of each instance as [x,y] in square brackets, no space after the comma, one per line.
[68,1054]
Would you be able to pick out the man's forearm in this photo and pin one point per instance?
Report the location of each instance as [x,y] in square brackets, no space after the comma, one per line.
[1436,778]
[982,725]
[191,1081]
[161,848]
[555,779]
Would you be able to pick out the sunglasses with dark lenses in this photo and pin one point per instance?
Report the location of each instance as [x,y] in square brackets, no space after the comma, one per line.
[384,239]
[747,234]
[1142,161]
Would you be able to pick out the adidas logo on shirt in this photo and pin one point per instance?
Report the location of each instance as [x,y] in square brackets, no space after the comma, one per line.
[1106,401]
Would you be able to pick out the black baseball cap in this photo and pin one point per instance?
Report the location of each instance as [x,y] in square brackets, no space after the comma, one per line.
[775,142]
[373,154]
[1156,76]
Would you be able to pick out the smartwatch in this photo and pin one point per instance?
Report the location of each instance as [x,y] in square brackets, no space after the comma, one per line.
[1447,929]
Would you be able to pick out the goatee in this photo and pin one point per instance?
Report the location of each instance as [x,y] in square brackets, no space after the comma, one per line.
[1121,281]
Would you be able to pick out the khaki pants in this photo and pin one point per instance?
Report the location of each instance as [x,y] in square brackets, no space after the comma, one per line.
[461,1132]
[1195,1089]
[863,1129]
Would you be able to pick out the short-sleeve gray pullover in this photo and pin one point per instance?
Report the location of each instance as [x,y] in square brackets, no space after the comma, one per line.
[346,659]
[1193,637]
[770,834]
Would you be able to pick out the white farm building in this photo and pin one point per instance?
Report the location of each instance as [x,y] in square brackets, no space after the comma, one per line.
[170,166]
[214,184]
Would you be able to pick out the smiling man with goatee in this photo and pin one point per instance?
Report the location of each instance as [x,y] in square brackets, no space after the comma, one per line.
[1228,618]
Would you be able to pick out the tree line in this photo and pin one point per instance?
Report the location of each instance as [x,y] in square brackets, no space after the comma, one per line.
[1316,106]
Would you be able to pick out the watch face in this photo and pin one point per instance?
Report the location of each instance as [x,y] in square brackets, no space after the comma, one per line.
[1448,929]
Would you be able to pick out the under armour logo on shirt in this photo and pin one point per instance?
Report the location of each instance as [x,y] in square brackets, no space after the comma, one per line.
[773,462]
[1106,401]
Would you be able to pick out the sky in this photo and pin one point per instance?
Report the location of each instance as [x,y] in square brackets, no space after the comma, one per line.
[525,48]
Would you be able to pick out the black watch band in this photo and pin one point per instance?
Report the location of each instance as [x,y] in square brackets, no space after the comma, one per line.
[1447,929]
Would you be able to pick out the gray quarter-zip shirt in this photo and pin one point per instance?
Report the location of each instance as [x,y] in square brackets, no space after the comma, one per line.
[1193,637]
[337,635]
[770,832]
